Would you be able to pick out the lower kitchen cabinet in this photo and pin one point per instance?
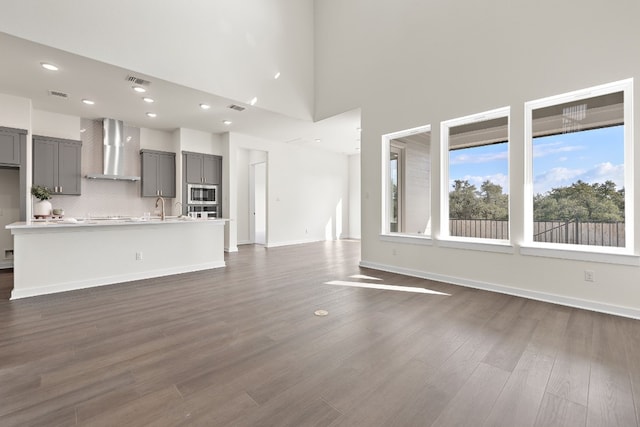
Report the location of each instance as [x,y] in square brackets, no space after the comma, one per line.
[158,173]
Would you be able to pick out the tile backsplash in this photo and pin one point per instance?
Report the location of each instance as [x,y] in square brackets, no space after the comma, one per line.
[107,198]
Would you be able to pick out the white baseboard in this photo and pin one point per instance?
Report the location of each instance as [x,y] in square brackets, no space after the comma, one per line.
[292,242]
[534,295]
[110,280]
[231,249]
[6,264]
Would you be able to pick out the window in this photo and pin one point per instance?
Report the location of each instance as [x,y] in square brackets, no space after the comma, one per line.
[475,176]
[580,169]
[407,182]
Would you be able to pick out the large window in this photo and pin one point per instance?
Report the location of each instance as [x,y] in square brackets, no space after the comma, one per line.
[407,182]
[475,173]
[579,168]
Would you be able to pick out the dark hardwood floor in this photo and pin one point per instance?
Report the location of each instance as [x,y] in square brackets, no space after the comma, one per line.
[241,346]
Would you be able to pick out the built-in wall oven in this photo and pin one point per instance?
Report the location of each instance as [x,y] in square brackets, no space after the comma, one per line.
[202,194]
[203,211]
[202,200]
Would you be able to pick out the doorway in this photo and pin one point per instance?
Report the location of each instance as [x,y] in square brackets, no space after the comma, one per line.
[258,203]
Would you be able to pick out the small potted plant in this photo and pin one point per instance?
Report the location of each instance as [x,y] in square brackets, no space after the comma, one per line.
[42,209]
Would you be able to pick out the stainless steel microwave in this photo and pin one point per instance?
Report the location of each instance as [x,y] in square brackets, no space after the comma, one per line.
[202,194]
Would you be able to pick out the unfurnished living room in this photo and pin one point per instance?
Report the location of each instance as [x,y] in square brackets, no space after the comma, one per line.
[319,213]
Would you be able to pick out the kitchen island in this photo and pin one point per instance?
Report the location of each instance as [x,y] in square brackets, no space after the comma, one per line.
[52,256]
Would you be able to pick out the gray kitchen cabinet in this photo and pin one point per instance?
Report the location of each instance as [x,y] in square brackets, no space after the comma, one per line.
[202,168]
[57,164]
[10,142]
[158,173]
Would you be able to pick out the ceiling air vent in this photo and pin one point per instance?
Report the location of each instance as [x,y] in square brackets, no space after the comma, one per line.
[138,81]
[236,107]
[58,94]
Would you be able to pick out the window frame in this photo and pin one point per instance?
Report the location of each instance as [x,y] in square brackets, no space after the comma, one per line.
[385,233]
[574,251]
[461,242]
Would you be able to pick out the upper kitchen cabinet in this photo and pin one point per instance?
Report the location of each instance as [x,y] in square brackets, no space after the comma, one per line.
[158,173]
[56,164]
[10,142]
[202,168]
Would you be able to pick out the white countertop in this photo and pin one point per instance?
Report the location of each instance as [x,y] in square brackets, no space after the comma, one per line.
[108,222]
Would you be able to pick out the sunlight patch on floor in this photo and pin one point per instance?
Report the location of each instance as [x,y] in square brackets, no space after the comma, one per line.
[362,276]
[385,287]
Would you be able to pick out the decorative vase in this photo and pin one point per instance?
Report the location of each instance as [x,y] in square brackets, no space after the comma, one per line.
[42,209]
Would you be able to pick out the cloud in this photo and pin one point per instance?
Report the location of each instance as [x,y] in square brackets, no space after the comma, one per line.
[547,148]
[562,177]
[605,172]
[481,158]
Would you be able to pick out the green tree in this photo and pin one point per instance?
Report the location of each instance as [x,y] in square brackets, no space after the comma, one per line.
[581,201]
[463,201]
[493,203]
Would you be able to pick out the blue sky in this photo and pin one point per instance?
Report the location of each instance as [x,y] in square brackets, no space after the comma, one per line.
[559,160]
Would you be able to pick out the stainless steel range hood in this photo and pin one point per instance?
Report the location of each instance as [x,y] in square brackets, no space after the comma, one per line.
[113,152]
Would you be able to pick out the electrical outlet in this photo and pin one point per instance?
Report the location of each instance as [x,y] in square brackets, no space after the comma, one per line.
[138,256]
[589,276]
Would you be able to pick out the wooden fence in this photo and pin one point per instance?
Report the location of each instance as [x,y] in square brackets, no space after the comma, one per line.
[571,232]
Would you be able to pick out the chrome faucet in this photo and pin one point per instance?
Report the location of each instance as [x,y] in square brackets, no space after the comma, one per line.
[160,199]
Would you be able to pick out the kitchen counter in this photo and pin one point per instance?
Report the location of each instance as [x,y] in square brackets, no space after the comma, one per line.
[106,222]
[56,256]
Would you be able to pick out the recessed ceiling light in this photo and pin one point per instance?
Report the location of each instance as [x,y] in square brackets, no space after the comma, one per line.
[359,129]
[205,106]
[253,100]
[149,100]
[318,140]
[88,101]
[151,114]
[277,76]
[83,130]
[227,122]
[139,89]
[48,66]
[129,139]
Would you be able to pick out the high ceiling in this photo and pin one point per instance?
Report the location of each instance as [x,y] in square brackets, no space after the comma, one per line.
[175,105]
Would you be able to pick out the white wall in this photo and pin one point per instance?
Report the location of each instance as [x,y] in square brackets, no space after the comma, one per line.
[200,142]
[233,48]
[410,63]
[354,196]
[243,217]
[55,125]
[307,191]
[15,112]
[152,139]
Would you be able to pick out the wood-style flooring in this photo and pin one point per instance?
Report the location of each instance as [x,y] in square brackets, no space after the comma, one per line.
[241,346]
